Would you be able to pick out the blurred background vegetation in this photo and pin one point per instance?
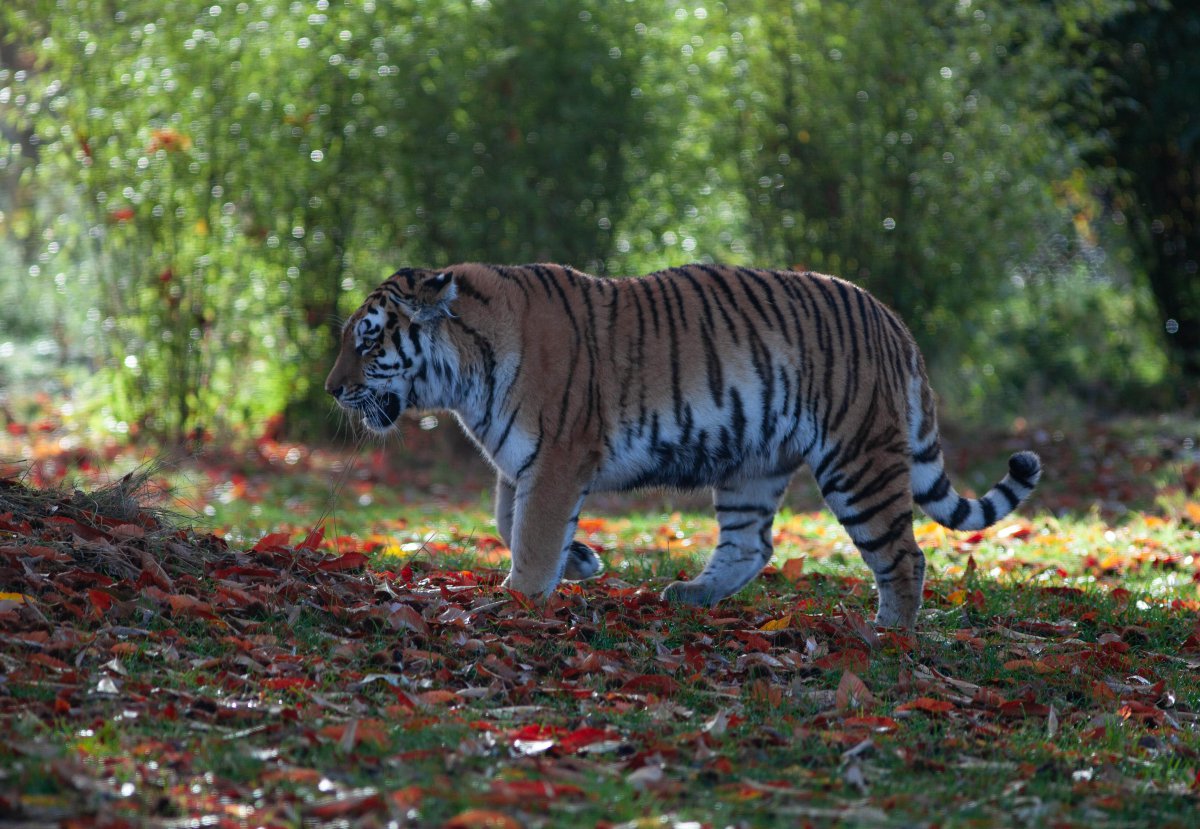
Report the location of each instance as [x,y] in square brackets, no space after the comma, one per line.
[191,194]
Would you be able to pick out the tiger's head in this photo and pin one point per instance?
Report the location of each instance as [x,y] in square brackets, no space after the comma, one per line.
[394,353]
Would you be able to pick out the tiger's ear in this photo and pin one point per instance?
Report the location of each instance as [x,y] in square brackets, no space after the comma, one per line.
[433,297]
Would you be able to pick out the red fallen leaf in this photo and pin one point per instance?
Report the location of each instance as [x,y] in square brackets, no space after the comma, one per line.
[352,806]
[48,661]
[753,641]
[365,731]
[249,572]
[881,724]
[581,737]
[314,538]
[282,683]
[189,606]
[292,774]
[437,697]
[535,732]
[660,684]
[404,616]
[1018,531]
[928,705]
[1134,710]
[593,525]
[1016,708]
[481,819]
[514,792]
[349,561]
[236,597]
[1121,596]
[35,551]
[100,600]
[862,627]
[407,798]
[847,660]
[973,538]
[1035,665]
[271,541]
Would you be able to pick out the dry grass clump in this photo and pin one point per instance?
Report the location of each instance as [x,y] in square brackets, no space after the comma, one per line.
[121,529]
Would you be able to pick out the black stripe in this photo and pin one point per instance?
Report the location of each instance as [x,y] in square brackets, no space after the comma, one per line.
[895,530]
[1008,494]
[741,525]
[1025,482]
[468,290]
[960,513]
[537,450]
[507,428]
[883,572]
[757,509]
[935,493]
[650,302]
[867,514]
[989,512]
[712,365]
[738,419]
[928,454]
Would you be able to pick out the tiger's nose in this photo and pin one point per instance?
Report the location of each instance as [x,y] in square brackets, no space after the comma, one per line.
[336,391]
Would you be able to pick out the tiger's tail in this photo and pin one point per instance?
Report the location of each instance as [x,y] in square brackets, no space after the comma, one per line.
[932,489]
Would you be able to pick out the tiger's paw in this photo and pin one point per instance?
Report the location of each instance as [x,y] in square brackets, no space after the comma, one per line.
[697,594]
[582,562]
[890,616]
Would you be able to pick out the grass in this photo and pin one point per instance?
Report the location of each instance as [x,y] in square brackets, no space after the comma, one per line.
[1053,679]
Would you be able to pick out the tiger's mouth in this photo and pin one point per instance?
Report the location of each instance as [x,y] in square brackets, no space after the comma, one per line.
[381,410]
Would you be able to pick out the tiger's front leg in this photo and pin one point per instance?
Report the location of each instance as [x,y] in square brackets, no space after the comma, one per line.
[545,513]
[582,561]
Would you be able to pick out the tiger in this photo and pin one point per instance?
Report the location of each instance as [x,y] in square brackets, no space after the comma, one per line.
[701,376]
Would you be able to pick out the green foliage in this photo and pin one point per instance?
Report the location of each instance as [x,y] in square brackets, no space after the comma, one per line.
[1057,342]
[197,193]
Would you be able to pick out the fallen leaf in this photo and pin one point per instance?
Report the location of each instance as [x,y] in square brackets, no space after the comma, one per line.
[660,684]
[793,569]
[928,705]
[852,693]
[781,623]
[270,542]
[482,819]
[349,561]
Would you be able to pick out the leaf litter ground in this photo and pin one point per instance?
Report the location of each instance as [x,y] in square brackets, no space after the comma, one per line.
[272,675]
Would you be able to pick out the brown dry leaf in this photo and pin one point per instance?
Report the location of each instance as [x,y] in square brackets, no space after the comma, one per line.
[154,571]
[793,569]
[127,532]
[852,693]
[403,616]
[862,627]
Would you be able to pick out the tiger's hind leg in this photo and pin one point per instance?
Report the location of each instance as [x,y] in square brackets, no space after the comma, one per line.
[872,498]
[746,512]
[582,561]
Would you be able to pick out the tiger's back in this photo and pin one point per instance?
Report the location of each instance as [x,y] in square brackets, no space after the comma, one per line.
[702,376]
